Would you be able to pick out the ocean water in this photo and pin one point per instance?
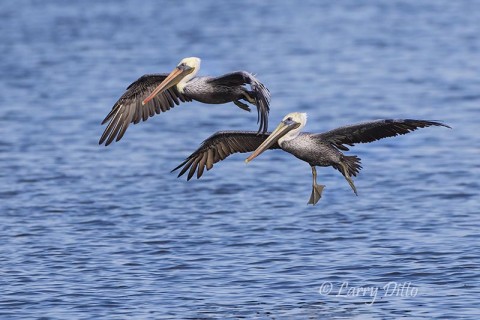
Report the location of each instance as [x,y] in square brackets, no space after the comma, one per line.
[94,232]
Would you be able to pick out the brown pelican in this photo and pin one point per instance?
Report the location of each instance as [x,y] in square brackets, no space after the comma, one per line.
[317,149]
[156,93]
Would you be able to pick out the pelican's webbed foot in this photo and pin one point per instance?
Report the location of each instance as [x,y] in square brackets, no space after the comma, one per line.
[348,178]
[317,190]
[242,105]
[350,182]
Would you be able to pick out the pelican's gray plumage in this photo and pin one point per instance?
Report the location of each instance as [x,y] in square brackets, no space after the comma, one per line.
[155,93]
[317,149]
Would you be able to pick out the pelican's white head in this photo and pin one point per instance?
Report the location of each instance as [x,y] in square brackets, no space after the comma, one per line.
[288,129]
[297,120]
[190,62]
[183,72]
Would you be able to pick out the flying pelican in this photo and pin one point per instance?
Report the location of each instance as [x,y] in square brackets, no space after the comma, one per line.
[156,93]
[317,149]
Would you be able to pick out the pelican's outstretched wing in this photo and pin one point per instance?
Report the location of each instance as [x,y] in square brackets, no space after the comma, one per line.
[372,131]
[260,93]
[129,107]
[219,146]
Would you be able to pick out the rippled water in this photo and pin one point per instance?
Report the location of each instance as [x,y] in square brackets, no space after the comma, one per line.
[95,232]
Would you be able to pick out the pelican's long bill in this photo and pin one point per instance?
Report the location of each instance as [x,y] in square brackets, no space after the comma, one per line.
[172,79]
[283,128]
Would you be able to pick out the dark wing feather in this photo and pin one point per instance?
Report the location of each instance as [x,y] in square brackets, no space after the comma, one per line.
[260,93]
[129,107]
[219,146]
[372,131]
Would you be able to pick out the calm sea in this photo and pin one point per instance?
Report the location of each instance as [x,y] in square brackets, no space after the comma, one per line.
[93,232]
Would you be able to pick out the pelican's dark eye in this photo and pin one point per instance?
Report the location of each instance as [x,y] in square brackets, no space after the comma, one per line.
[289,119]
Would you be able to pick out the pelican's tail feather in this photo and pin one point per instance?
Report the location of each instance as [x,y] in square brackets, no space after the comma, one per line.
[352,165]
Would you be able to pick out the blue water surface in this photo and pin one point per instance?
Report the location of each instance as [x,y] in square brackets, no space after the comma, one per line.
[94,232]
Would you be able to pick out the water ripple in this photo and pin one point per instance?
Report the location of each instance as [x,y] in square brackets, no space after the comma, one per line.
[95,232]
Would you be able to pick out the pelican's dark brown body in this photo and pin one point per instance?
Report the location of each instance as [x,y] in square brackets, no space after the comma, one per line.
[156,93]
[317,149]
